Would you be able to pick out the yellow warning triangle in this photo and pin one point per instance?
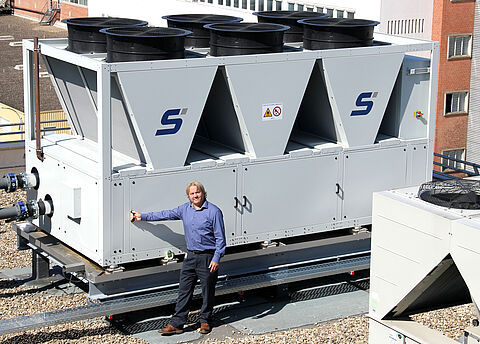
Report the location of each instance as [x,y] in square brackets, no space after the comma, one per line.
[267,113]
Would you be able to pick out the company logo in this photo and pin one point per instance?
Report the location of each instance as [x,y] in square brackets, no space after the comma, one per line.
[172,123]
[364,102]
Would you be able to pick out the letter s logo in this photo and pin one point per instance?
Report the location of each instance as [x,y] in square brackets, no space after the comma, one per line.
[368,104]
[167,120]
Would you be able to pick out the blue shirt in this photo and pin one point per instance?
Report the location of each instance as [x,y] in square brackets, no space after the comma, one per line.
[204,228]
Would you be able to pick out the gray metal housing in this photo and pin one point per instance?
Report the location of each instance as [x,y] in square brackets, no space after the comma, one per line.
[287,144]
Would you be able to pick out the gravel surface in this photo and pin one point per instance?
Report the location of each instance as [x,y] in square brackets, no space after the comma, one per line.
[9,256]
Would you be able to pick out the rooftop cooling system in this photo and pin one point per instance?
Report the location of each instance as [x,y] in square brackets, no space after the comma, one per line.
[425,256]
[289,140]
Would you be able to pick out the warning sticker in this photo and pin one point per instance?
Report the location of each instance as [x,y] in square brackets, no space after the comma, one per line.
[272,112]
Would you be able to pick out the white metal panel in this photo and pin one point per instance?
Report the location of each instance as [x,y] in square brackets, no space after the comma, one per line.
[465,252]
[401,232]
[75,96]
[150,94]
[167,191]
[367,171]
[417,164]
[288,194]
[253,87]
[407,115]
[58,180]
[359,108]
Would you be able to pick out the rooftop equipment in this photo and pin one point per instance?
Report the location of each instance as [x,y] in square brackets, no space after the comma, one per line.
[144,43]
[263,130]
[335,33]
[228,39]
[200,36]
[84,34]
[425,257]
[289,18]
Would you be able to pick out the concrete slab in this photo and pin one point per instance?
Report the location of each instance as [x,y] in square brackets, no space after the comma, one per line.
[280,316]
[16,273]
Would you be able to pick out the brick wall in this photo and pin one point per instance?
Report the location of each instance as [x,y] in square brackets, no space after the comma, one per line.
[454,75]
[67,10]
[72,11]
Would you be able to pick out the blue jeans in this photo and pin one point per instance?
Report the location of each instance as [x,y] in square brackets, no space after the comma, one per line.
[195,266]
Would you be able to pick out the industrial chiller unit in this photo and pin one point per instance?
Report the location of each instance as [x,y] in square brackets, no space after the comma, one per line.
[289,145]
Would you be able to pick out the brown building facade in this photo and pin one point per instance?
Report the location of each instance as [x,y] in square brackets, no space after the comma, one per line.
[453,24]
[37,8]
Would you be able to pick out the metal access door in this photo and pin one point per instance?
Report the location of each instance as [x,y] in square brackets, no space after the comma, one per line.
[289,197]
[166,191]
[369,171]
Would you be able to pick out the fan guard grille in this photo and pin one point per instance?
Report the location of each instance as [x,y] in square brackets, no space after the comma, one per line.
[458,194]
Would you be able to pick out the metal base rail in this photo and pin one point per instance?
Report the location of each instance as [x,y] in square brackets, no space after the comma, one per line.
[135,303]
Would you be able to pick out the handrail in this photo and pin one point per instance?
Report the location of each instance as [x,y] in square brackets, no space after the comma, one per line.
[474,166]
[444,176]
[22,132]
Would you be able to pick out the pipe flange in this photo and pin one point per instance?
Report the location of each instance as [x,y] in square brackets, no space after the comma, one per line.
[12,182]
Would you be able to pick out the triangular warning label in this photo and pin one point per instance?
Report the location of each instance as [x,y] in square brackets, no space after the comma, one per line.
[267,113]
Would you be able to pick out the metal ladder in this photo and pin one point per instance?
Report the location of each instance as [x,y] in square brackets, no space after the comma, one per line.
[50,11]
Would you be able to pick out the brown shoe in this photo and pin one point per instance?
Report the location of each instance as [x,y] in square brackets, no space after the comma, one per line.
[169,330]
[205,328]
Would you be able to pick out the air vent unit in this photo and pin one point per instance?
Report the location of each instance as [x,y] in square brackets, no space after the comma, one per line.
[144,43]
[200,36]
[84,34]
[289,18]
[458,194]
[334,33]
[245,38]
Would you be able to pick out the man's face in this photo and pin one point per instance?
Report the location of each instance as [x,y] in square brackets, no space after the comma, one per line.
[195,195]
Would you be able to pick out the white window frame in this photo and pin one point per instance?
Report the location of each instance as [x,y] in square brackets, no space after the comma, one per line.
[84,2]
[452,39]
[458,165]
[465,105]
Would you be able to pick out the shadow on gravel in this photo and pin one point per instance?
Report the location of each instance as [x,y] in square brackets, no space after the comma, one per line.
[33,290]
[65,335]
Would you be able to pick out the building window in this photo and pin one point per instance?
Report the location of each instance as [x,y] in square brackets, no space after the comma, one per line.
[252,5]
[458,154]
[80,2]
[320,9]
[235,3]
[456,102]
[261,5]
[309,9]
[220,2]
[291,6]
[350,15]
[244,4]
[459,46]
[278,5]
[269,5]
[299,7]
[330,12]
[340,14]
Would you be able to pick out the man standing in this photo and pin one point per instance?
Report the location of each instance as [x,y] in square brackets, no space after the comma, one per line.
[205,238]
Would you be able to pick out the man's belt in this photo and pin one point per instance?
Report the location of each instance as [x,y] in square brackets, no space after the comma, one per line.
[202,252]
